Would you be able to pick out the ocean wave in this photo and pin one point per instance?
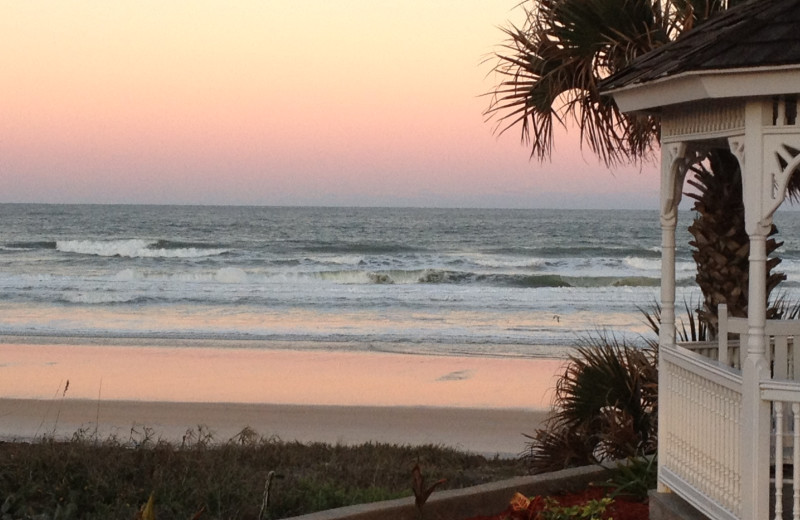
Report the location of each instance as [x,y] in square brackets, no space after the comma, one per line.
[224,275]
[380,278]
[231,275]
[29,246]
[102,298]
[134,248]
[177,244]
[443,276]
[353,260]
[643,264]
[614,281]
[362,248]
[507,262]
[532,281]
[539,280]
[580,251]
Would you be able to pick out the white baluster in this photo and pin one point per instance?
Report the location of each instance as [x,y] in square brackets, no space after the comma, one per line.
[726,456]
[796,113]
[720,446]
[795,461]
[778,412]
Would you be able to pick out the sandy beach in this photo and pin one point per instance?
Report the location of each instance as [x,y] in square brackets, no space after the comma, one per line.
[487,431]
[479,404]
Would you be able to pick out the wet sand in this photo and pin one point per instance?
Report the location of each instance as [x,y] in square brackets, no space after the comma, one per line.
[483,405]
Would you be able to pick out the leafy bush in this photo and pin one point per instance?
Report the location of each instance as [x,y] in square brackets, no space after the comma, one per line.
[634,478]
[605,407]
[89,478]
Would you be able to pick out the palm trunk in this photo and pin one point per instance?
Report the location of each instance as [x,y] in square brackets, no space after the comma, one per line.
[721,245]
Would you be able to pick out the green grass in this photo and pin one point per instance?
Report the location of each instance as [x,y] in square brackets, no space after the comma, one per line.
[90,478]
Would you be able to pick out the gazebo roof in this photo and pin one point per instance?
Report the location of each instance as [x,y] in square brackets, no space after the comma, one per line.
[758,36]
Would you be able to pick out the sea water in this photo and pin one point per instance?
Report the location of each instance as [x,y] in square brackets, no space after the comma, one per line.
[526,283]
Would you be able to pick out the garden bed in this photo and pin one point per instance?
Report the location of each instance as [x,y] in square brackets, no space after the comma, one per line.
[463,504]
[620,508]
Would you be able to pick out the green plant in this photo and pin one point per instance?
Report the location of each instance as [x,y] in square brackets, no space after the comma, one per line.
[590,510]
[634,478]
[91,478]
[421,491]
[720,243]
[549,508]
[697,330]
[605,407]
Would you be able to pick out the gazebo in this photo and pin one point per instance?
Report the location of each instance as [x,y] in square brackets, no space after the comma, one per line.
[729,418]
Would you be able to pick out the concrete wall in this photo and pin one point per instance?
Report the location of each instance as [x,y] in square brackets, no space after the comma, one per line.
[458,504]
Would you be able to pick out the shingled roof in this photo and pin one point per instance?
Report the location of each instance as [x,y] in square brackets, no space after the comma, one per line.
[756,34]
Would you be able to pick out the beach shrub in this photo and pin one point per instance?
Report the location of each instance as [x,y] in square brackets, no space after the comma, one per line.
[605,407]
[91,478]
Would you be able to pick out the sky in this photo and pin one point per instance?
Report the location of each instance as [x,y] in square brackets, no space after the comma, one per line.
[275,102]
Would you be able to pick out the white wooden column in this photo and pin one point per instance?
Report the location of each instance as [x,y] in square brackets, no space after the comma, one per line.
[755,415]
[673,170]
[768,156]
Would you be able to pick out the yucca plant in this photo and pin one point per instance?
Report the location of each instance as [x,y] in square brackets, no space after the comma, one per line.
[689,328]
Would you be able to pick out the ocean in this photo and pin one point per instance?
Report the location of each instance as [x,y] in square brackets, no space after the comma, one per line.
[459,282]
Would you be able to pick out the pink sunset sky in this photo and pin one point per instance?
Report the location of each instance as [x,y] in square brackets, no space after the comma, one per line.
[274,102]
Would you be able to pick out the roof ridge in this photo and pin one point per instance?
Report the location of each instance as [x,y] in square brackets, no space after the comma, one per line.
[736,38]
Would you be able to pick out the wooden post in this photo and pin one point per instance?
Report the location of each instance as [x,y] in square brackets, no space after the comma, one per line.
[722,334]
[667,326]
[755,417]
[673,170]
[755,411]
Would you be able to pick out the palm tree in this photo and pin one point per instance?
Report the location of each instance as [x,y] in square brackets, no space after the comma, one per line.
[549,71]
[605,407]
[721,245]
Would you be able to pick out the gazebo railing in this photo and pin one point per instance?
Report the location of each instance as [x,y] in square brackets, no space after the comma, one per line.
[782,336]
[701,406]
[699,431]
[784,397]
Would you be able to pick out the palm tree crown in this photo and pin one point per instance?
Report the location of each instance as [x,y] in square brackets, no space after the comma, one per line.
[550,68]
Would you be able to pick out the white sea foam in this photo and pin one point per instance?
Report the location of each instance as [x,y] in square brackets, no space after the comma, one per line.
[189,252]
[508,262]
[129,248]
[231,275]
[134,248]
[643,264]
[344,277]
[97,298]
[347,260]
[127,275]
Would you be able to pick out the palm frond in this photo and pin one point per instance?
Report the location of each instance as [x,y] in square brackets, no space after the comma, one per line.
[550,67]
[605,405]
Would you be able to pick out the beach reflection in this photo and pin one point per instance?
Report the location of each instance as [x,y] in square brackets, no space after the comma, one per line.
[248,375]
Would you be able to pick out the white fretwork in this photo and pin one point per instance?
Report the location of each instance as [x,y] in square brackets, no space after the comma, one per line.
[729,411]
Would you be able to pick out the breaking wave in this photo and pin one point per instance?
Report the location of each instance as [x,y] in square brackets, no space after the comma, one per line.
[137,248]
[443,276]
